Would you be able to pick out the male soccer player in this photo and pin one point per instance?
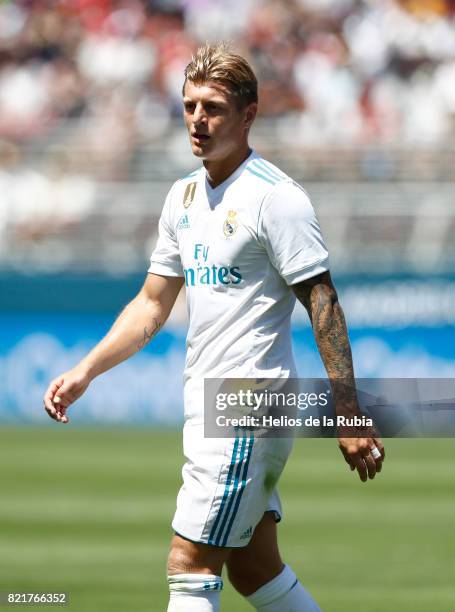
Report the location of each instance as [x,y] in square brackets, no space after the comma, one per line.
[244,239]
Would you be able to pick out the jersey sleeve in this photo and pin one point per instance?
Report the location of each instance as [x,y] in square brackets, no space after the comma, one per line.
[290,232]
[165,259]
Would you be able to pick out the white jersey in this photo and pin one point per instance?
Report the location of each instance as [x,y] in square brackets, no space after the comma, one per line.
[239,247]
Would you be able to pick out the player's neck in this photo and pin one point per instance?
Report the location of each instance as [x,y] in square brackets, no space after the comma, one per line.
[219,170]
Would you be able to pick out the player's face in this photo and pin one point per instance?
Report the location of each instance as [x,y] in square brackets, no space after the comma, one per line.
[215,124]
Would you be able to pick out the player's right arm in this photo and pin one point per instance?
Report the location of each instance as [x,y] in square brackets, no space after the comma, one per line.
[139,322]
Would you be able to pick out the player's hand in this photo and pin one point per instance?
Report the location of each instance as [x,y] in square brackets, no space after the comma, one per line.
[63,391]
[357,454]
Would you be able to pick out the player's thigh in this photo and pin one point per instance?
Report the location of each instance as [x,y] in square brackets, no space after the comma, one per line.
[228,484]
[251,567]
[186,557]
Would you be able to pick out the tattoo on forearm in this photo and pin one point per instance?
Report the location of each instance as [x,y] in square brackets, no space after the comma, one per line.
[149,332]
[331,335]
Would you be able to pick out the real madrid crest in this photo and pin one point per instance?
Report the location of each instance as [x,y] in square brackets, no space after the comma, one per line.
[231,224]
[188,196]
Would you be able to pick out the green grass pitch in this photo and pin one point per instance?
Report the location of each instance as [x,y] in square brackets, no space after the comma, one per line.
[88,512]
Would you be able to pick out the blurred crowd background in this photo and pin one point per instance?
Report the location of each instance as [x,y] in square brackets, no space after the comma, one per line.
[118,66]
[358,92]
[357,102]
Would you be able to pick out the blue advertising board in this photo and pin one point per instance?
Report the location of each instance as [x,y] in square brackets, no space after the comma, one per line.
[398,328]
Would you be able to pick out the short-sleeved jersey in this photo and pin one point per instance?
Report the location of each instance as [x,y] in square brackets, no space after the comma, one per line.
[239,246]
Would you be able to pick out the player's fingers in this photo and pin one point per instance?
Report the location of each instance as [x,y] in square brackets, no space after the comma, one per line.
[50,393]
[49,397]
[371,466]
[51,411]
[57,413]
[359,463]
[50,408]
[47,401]
[380,447]
[375,453]
[54,386]
[61,414]
[349,462]
[370,454]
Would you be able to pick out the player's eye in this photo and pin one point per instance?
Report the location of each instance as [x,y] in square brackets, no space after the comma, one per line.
[189,107]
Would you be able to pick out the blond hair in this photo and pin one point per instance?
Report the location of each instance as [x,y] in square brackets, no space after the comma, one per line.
[218,64]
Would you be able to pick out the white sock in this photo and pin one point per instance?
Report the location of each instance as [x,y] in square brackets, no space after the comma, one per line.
[283,594]
[194,593]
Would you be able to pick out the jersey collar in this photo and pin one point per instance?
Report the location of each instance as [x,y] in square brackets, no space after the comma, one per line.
[231,178]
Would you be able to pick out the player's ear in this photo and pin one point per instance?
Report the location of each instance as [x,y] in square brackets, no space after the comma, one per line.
[250,114]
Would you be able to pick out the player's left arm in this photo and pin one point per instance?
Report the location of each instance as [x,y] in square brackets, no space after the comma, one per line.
[320,299]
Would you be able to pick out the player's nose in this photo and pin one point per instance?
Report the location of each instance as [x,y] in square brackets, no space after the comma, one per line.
[199,116]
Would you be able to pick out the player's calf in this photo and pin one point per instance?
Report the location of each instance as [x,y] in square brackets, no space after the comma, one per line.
[247,574]
[251,567]
[259,574]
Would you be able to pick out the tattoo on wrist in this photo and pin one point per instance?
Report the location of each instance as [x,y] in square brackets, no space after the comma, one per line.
[149,332]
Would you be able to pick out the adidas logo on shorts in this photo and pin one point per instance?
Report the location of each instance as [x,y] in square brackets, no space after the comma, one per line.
[247,534]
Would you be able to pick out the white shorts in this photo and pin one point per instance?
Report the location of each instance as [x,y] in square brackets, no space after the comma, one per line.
[228,484]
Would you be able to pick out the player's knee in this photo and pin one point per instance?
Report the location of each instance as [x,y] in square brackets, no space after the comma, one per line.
[186,557]
[180,559]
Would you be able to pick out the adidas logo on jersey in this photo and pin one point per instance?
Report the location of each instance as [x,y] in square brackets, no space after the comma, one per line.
[247,533]
[184,223]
